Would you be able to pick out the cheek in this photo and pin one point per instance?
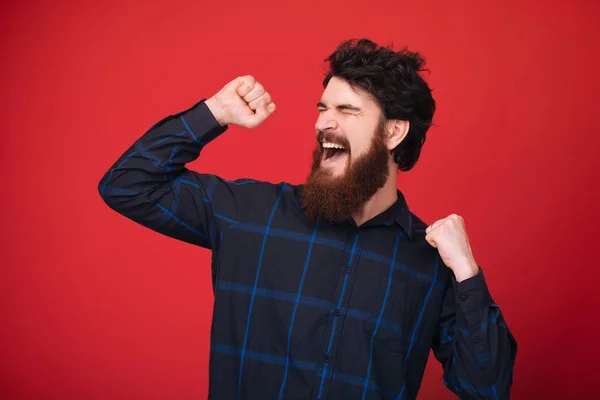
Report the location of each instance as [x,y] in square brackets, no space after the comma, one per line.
[359,146]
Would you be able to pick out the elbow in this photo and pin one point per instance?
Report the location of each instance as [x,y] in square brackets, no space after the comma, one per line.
[103,192]
[122,196]
[111,197]
[108,192]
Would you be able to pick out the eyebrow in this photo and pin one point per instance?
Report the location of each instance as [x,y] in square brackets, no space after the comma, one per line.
[340,107]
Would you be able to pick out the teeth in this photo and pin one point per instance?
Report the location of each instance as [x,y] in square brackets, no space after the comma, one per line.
[332,146]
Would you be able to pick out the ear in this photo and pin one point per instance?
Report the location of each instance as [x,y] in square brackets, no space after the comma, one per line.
[397,131]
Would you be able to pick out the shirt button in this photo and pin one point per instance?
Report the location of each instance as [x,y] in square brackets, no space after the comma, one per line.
[463,298]
[476,339]
[337,311]
[348,270]
[327,358]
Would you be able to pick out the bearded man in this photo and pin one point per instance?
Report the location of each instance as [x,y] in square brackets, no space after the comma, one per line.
[332,289]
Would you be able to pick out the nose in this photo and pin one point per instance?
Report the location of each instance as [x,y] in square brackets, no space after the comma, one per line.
[326,122]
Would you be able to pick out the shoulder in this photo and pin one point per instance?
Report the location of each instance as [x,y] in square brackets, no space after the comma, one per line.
[266,192]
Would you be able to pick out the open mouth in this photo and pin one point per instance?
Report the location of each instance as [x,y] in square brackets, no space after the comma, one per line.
[333,152]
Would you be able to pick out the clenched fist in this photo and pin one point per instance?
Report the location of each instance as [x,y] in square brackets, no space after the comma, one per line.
[449,236]
[243,102]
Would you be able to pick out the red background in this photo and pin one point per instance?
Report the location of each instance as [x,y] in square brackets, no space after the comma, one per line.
[93,306]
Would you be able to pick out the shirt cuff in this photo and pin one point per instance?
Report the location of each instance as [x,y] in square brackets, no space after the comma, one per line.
[472,294]
[202,123]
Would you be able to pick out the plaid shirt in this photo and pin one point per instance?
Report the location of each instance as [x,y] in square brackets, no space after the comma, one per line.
[311,310]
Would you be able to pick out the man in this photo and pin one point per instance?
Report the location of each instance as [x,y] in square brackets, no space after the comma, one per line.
[332,289]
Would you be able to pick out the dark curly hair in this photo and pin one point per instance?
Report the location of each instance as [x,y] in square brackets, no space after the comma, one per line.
[393,79]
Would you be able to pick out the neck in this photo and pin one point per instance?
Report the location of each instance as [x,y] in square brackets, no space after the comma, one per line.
[383,199]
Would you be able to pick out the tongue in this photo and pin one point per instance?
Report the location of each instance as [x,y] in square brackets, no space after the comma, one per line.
[337,154]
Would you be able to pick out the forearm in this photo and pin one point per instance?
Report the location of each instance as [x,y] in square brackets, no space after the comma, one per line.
[150,184]
[158,157]
[483,349]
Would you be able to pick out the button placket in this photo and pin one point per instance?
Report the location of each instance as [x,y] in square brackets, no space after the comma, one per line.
[340,302]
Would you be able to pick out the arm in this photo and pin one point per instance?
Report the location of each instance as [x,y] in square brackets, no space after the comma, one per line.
[150,184]
[473,343]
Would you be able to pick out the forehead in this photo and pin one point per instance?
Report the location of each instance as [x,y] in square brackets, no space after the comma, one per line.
[338,91]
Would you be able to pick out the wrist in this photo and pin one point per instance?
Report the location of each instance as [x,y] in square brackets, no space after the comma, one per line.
[215,110]
[466,270]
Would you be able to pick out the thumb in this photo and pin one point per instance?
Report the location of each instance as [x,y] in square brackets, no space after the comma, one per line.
[262,113]
[430,240]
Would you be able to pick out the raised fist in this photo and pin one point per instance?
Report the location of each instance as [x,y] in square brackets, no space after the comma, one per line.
[243,102]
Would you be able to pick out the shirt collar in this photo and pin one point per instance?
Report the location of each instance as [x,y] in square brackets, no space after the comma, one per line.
[398,213]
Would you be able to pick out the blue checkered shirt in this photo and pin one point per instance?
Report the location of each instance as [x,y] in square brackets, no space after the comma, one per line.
[311,309]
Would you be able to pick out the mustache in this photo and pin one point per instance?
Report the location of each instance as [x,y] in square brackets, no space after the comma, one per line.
[332,138]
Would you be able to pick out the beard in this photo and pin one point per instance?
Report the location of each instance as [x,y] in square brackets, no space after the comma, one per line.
[337,198]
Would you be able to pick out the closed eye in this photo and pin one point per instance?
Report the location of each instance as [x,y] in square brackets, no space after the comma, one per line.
[348,108]
[345,108]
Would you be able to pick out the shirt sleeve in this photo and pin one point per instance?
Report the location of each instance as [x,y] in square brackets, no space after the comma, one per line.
[150,184]
[473,343]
